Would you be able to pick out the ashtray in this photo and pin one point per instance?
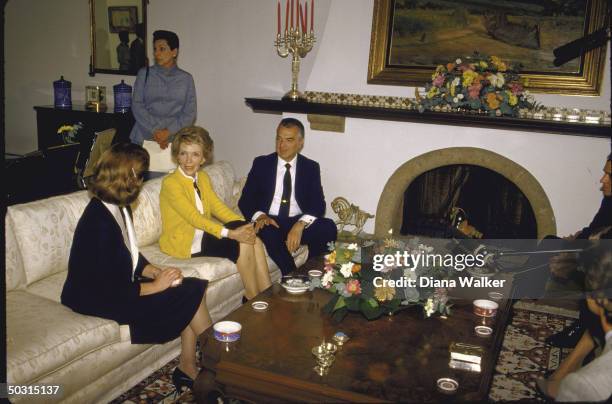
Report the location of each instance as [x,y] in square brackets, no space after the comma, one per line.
[483,331]
[295,285]
[447,385]
[485,308]
[227,331]
[259,305]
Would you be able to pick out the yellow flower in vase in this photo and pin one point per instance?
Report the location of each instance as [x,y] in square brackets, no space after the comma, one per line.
[384,293]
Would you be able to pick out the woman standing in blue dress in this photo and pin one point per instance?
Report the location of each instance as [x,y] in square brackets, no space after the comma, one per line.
[164,98]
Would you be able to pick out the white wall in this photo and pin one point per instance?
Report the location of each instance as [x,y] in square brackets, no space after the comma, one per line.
[227,46]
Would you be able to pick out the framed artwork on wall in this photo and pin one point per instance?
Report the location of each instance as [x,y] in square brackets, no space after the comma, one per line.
[411,37]
[122,18]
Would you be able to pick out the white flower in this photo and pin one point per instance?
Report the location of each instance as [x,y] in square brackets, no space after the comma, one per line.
[327,278]
[458,61]
[455,100]
[429,307]
[493,79]
[500,80]
[352,246]
[460,96]
[456,81]
[346,269]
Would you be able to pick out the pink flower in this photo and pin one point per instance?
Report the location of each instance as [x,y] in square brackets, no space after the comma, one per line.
[438,81]
[353,287]
[516,88]
[328,267]
[474,91]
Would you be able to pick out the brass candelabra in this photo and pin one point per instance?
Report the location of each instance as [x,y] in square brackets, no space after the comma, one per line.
[297,43]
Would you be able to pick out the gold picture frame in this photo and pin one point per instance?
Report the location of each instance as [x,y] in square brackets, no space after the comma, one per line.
[585,80]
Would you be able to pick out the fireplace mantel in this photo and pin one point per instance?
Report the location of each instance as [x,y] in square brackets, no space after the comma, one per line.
[440,118]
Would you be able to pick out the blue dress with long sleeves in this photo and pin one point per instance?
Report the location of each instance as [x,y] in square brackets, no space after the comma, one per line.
[164,99]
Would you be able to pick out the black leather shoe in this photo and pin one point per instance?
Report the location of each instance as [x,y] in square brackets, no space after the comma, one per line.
[568,337]
[180,380]
[244,299]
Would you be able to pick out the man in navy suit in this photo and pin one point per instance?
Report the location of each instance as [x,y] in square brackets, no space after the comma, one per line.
[284,197]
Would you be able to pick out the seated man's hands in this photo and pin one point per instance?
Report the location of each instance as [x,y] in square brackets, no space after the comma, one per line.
[161,136]
[243,234]
[294,238]
[562,265]
[264,220]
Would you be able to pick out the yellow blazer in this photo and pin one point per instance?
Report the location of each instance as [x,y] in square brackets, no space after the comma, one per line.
[180,217]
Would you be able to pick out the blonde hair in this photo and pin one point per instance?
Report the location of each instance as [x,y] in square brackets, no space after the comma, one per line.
[193,135]
[118,175]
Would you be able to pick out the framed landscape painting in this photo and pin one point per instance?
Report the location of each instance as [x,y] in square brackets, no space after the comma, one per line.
[411,37]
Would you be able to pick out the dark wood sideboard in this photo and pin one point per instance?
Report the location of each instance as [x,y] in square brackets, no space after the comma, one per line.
[49,119]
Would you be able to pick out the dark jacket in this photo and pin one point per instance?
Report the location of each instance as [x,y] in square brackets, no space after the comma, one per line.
[99,281]
[258,191]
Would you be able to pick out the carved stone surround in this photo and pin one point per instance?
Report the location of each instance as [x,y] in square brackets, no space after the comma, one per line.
[390,204]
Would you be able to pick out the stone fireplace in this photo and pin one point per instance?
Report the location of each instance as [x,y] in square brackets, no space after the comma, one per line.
[390,210]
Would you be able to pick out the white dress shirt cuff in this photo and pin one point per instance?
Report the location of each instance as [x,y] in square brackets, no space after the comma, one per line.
[224,232]
[307,219]
[256,215]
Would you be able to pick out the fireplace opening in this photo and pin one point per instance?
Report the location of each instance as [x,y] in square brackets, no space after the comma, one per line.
[486,203]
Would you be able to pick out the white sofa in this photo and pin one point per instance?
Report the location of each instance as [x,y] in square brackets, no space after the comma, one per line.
[92,358]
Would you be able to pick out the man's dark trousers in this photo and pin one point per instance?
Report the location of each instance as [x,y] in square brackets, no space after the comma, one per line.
[316,236]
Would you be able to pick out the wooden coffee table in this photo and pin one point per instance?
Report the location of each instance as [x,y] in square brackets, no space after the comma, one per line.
[396,358]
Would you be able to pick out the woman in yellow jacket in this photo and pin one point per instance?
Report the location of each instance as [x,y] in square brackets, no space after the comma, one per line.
[188,204]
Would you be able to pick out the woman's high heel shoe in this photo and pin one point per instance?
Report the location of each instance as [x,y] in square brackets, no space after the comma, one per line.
[180,380]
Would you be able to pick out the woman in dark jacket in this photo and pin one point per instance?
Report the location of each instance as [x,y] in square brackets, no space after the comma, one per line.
[109,278]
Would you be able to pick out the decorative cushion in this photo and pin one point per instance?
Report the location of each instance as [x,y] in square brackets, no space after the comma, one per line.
[147,218]
[222,178]
[43,335]
[43,232]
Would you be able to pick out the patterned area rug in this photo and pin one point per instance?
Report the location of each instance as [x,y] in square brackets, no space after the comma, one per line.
[524,357]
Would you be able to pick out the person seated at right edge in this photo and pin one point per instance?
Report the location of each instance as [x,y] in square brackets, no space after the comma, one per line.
[284,197]
[592,382]
[563,264]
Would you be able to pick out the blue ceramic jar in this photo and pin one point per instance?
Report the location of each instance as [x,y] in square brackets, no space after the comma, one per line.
[62,93]
[123,97]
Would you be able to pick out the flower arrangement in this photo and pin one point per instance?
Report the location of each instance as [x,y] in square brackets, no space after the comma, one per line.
[69,133]
[373,293]
[477,83]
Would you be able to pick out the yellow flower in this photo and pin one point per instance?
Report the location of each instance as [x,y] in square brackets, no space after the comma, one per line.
[512,99]
[331,258]
[432,92]
[468,77]
[65,128]
[347,255]
[483,64]
[497,62]
[383,293]
[439,69]
[492,100]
